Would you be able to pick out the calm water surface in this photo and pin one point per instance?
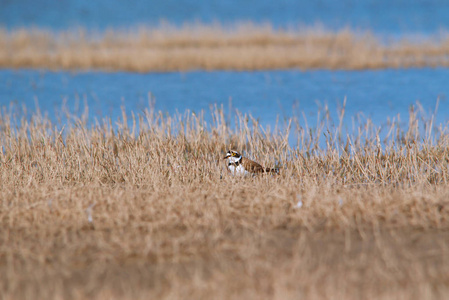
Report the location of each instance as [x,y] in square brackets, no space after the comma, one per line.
[379,95]
[386,17]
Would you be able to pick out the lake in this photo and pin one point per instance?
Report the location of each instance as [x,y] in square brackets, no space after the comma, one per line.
[385,17]
[267,95]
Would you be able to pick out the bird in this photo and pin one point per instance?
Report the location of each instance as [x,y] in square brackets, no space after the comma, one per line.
[239,165]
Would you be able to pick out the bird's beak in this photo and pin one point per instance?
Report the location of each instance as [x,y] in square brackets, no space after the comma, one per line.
[228,155]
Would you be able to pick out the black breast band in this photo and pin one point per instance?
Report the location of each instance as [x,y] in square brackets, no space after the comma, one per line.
[234,163]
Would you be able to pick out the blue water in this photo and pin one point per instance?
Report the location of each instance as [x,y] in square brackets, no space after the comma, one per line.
[386,17]
[267,95]
[379,94]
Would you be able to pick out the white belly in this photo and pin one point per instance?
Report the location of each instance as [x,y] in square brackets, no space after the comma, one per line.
[238,170]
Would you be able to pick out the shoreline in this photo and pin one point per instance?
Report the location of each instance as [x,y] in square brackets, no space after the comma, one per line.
[201,47]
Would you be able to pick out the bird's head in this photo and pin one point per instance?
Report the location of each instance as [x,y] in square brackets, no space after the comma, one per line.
[232,156]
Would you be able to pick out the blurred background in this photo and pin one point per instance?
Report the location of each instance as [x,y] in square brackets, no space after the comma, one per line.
[393,18]
[380,92]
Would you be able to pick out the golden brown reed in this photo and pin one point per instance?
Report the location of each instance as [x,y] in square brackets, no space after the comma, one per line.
[146,210]
[214,47]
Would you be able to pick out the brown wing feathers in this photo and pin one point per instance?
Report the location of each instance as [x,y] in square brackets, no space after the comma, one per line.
[251,166]
[254,167]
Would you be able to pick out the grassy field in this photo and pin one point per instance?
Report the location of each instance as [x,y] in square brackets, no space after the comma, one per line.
[144,209]
[239,47]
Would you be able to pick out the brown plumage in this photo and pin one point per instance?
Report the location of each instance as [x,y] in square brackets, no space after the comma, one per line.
[251,166]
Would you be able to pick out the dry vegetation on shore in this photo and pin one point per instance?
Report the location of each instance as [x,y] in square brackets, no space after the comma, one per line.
[240,47]
[150,213]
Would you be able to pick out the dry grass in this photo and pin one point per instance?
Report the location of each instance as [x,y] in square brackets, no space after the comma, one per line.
[242,47]
[148,212]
